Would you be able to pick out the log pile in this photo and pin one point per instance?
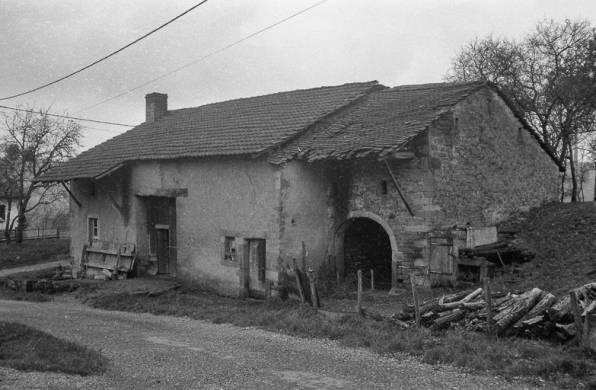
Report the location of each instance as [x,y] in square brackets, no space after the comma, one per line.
[533,314]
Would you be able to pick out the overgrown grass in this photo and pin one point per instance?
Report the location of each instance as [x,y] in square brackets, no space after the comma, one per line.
[32,252]
[28,349]
[511,358]
[10,295]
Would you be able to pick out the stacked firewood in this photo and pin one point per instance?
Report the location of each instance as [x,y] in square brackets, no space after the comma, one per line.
[534,313]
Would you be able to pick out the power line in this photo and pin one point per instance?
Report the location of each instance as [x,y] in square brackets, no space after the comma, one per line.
[95,128]
[203,58]
[106,57]
[67,117]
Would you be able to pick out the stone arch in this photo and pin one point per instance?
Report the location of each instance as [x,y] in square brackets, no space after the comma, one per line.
[339,237]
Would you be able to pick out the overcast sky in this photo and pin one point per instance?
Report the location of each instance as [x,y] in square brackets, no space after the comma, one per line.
[395,42]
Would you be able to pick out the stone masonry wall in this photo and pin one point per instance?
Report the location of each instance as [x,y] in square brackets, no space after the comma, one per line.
[491,166]
[476,166]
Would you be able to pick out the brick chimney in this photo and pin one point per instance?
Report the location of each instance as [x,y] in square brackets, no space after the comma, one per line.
[156,106]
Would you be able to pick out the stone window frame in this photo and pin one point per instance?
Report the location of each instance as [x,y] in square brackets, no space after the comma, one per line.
[96,234]
[225,237]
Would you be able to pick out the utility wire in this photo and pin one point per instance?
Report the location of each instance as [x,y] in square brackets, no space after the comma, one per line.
[67,117]
[106,57]
[205,57]
[95,128]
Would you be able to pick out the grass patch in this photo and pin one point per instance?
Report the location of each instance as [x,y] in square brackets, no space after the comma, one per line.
[28,349]
[10,295]
[508,357]
[32,252]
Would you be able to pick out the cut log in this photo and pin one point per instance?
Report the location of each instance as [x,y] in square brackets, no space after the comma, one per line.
[468,298]
[451,317]
[380,317]
[433,304]
[522,305]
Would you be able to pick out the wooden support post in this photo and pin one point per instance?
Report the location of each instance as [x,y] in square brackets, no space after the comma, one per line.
[576,315]
[488,303]
[298,281]
[401,194]
[267,290]
[313,290]
[359,308]
[415,298]
[70,193]
[372,280]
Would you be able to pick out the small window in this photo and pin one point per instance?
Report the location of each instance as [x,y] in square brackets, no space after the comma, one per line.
[384,187]
[2,211]
[93,229]
[230,249]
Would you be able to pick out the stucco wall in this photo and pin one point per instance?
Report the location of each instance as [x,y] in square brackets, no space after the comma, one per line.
[241,197]
[304,212]
[102,200]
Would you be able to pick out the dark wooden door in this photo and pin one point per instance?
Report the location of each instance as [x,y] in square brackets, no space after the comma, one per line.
[163,251]
[256,265]
[161,225]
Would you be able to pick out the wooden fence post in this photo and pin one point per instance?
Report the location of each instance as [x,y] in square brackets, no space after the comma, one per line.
[415,298]
[372,280]
[576,315]
[359,308]
[488,304]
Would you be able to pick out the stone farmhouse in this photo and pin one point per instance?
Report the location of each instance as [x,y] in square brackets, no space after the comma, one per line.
[225,195]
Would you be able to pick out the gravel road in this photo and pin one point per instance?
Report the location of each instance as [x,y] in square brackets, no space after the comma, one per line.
[160,352]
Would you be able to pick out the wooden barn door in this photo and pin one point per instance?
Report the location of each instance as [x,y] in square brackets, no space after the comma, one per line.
[256,266]
[441,262]
[161,221]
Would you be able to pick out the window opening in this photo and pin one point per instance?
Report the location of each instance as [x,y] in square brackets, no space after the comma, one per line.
[93,229]
[384,190]
[230,248]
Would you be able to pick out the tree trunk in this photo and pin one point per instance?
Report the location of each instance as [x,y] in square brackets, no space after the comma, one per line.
[21,223]
[563,177]
[8,226]
[573,175]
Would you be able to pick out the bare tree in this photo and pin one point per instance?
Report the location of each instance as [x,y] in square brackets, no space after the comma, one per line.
[550,76]
[32,143]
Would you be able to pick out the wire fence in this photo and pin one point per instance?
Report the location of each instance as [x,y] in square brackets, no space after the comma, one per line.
[37,234]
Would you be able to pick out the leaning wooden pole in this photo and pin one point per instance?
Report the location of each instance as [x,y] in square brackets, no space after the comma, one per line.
[313,290]
[298,281]
[401,194]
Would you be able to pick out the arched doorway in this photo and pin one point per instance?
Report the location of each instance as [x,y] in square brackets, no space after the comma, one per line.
[365,241]
[367,247]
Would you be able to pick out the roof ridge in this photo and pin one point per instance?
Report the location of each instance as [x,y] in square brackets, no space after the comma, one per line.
[372,83]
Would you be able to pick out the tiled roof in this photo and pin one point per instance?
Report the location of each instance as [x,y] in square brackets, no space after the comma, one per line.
[241,126]
[381,123]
